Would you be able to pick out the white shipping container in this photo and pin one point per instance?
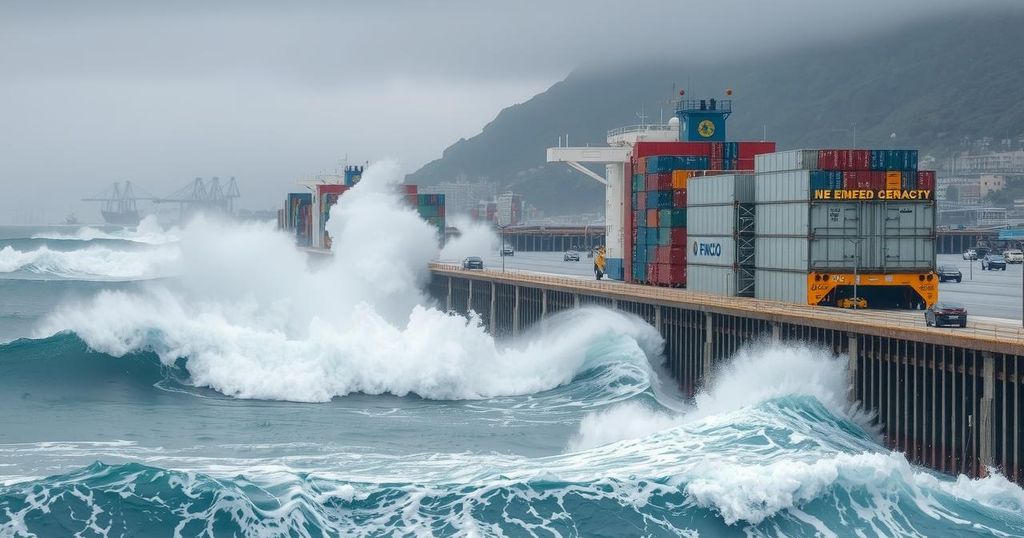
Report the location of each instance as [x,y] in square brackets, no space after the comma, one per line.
[790,186]
[781,253]
[723,189]
[783,161]
[873,236]
[780,286]
[714,250]
[717,280]
[711,220]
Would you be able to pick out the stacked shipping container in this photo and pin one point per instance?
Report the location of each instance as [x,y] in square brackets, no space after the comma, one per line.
[656,190]
[800,234]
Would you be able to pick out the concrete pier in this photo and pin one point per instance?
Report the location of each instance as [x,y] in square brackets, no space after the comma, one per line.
[948,398]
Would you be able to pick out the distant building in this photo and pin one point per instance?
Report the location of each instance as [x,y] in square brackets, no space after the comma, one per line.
[989,183]
[993,162]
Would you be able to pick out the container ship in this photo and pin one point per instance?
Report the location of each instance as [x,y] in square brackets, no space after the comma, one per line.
[305,214]
[686,207]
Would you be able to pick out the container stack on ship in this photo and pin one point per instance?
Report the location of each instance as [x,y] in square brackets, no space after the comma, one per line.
[656,231]
[306,213]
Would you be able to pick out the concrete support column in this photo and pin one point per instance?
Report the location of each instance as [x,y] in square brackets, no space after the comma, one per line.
[776,332]
[469,297]
[543,303]
[709,339]
[576,300]
[986,434]
[515,312]
[448,299]
[494,299]
[657,317]
[851,367]
[615,304]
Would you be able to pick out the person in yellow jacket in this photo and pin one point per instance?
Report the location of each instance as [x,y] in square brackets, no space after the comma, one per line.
[599,263]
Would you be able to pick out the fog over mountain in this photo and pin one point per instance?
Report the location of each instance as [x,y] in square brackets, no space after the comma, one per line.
[269,92]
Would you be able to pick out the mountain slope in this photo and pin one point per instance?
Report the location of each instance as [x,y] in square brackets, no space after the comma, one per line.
[930,83]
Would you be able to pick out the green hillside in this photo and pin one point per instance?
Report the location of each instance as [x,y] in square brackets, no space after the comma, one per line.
[930,83]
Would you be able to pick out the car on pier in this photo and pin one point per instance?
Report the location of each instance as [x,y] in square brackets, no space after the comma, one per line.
[948,272]
[970,254]
[507,251]
[1013,255]
[946,314]
[993,262]
[571,256]
[473,262]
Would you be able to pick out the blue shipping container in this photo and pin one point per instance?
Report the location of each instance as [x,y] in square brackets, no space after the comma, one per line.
[731,151]
[652,236]
[659,199]
[666,163]
[826,180]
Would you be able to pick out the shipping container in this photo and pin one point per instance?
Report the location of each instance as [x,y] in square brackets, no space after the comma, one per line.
[784,161]
[820,236]
[750,150]
[893,180]
[788,286]
[645,149]
[713,279]
[680,178]
[668,163]
[926,180]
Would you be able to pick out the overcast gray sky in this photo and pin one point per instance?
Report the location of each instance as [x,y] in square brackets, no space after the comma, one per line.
[159,93]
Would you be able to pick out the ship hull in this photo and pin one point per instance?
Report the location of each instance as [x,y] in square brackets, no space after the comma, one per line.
[121,218]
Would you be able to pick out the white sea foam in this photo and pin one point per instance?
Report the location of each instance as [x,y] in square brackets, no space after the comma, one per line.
[148,231]
[91,263]
[476,239]
[756,374]
[255,322]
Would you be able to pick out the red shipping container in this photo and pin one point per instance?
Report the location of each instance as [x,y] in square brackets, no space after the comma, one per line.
[678,237]
[679,198]
[926,180]
[676,274]
[652,273]
[409,189]
[331,188]
[748,150]
[828,159]
[643,149]
[673,254]
[745,164]
[659,182]
[860,159]
[641,201]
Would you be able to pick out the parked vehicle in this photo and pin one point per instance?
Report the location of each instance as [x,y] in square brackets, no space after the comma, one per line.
[571,256]
[946,314]
[852,302]
[981,252]
[473,262]
[948,272]
[970,254]
[993,262]
[1013,255]
[507,251]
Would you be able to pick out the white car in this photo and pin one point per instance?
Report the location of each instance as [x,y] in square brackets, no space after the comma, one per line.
[1013,256]
[970,254]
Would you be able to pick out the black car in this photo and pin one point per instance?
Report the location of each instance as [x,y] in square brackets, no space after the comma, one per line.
[993,262]
[948,272]
[946,314]
[473,262]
